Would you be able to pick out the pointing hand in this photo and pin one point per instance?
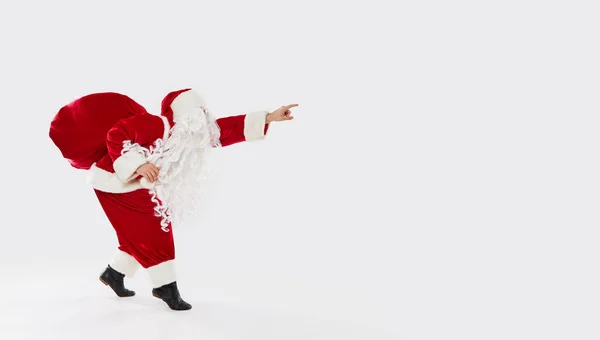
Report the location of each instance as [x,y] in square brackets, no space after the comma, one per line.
[281,114]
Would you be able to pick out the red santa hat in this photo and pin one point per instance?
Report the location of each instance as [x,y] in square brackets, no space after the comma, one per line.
[178,103]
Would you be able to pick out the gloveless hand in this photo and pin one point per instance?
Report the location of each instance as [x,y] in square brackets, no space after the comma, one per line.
[281,114]
[149,171]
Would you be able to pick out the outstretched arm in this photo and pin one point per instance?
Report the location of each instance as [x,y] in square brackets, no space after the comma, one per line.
[251,126]
[243,128]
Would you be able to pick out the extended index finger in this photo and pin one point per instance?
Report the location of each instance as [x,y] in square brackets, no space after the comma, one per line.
[290,106]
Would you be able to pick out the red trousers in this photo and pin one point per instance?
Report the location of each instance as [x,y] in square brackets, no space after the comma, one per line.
[142,242]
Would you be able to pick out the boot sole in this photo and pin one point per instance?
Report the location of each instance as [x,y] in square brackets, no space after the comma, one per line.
[106,284]
[158,297]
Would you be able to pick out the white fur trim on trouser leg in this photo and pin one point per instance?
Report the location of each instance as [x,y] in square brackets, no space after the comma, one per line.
[162,273]
[254,125]
[124,263]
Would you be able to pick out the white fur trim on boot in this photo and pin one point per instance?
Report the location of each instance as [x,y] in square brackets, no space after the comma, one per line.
[124,263]
[254,125]
[162,273]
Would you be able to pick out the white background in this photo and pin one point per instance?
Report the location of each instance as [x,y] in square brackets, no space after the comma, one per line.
[440,180]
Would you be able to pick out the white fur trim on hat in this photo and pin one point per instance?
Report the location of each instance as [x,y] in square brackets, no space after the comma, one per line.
[187,100]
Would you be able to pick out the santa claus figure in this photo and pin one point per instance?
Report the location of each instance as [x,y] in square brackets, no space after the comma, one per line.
[148,173]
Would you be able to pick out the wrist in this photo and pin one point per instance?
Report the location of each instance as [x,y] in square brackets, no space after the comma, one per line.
[268,118]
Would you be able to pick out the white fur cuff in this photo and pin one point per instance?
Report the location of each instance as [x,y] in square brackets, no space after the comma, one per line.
[254,125]
[126,165]
[109,182]
[162,273]
[124,263]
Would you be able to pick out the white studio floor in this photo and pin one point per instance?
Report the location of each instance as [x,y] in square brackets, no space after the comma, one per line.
[90,312]
[68,302]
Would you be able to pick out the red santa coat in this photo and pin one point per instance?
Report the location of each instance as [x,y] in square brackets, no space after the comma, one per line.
[115,172]
[123,195]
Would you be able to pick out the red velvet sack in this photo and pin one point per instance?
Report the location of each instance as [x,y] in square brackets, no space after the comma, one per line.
[79,128]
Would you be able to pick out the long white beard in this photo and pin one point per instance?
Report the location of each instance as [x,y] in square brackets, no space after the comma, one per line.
[183,167]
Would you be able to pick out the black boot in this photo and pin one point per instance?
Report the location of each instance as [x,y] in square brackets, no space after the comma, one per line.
[170,294]
[114,279]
